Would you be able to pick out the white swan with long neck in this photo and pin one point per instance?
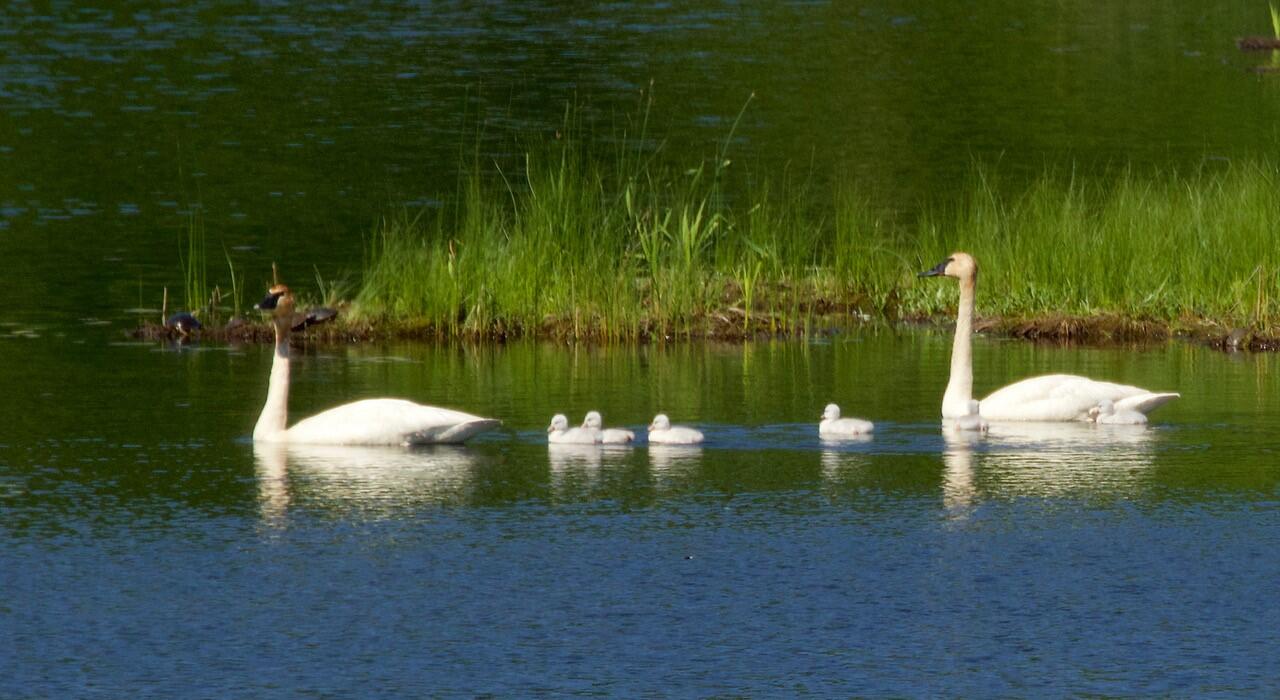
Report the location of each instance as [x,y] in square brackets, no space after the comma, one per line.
[367,422]
[1053,397]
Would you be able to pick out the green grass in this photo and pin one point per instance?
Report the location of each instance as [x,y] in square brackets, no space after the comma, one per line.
[194,263]
[572,251]
[208,303]
[236,286]
[1172,248]
[631,249]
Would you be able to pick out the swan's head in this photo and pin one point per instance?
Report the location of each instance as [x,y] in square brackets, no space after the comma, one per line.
[660,422]
[279,301]
[1104,408]
[959,265]
[558,423]
[593,420]
[831,412]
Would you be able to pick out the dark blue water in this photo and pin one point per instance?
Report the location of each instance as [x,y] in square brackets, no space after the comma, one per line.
[150,550]
[760,594]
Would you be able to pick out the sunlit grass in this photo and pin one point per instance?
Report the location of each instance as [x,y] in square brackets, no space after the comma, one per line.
[1170,248]
[580,250]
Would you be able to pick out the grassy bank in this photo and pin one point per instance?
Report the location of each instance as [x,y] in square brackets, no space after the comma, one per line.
[630,250]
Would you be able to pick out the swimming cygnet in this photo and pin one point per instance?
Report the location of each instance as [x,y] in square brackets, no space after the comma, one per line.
[609,436]
[560,433]
[833,426]
[1105,412]
[662,432]
[972,422]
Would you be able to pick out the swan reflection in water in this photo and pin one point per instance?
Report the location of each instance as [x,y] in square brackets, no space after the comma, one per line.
[371,478]
[564,456]
[668,462]
[1044,459]
[957,476]
[577,471]
[834,458]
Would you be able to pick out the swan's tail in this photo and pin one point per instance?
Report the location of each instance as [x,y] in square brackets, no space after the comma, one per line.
[1145,403]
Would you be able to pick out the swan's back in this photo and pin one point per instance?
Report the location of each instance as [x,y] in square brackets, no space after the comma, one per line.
[1065,397]
[388,422]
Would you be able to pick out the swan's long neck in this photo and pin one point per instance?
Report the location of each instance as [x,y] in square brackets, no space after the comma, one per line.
[275,413]
[955,402]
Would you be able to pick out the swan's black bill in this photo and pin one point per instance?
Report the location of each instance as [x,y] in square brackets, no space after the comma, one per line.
[937,270]
[269,303]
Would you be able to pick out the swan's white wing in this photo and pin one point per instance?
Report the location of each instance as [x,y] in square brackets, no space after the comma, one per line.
[1144,403]
[387,422]
[1061,397]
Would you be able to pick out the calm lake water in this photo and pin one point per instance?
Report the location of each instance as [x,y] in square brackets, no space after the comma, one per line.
[150,548]
[147,548]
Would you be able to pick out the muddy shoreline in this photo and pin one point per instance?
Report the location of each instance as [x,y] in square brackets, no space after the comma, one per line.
[1097,330]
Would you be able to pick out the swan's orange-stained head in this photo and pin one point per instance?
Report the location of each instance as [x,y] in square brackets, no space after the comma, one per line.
[959,265]
[279,301]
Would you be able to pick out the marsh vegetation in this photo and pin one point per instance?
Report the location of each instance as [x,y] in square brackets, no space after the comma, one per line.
[638,250]
[630,248]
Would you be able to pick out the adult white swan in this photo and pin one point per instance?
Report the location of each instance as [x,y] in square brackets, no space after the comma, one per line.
[1054,397]
[367,422]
